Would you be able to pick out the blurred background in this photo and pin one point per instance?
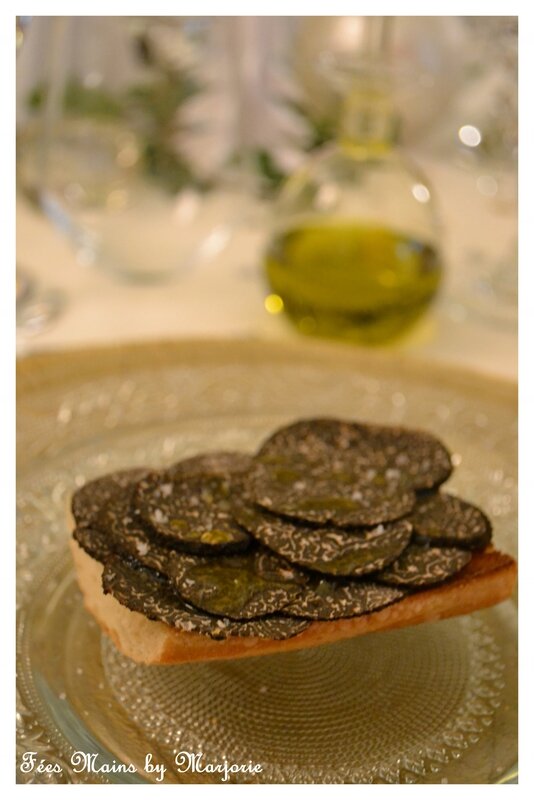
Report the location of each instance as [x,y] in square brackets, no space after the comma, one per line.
[353,178]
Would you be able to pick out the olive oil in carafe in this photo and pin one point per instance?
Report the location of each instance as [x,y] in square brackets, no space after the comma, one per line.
[351,280]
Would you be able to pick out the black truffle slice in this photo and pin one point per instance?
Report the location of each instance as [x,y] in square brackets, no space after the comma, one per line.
[191,512]
[242,586]
[141,590]
[334,599]
[442,519]
[224,464]
[313,439]
[127,533]
[421,459]
[96,543]
[91,497]
[327,550]
[337,492]
[420,565]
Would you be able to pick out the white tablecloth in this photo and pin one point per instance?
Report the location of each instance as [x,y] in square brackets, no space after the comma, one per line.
[224,297]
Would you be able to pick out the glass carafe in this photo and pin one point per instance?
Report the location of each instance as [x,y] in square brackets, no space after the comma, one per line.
[354,248]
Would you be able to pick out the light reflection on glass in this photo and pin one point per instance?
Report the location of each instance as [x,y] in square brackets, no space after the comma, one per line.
[273,304]
[487,185]
[421,192]
[470,135]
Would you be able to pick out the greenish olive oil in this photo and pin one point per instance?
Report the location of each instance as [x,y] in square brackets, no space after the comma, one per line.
[352,281]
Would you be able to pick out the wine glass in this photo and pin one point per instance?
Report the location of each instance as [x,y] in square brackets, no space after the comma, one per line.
[36,307]
[488,147]
[99,153]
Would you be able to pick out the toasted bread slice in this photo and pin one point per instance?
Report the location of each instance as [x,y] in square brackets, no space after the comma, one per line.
[488,579]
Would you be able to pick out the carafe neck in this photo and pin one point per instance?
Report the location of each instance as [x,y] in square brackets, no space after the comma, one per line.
[369,124]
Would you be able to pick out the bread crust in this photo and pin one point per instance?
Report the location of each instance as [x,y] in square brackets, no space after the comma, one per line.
[488,579]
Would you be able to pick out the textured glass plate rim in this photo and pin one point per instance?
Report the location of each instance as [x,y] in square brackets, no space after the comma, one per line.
[39,369]
[40,372]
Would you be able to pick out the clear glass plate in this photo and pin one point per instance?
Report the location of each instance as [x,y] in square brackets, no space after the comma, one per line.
[433,703]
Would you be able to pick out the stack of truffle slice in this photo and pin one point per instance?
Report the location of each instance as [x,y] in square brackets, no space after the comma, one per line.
[328,520]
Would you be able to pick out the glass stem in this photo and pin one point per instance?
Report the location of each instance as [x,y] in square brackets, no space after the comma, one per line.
[57,78]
